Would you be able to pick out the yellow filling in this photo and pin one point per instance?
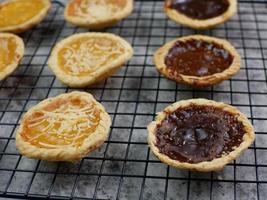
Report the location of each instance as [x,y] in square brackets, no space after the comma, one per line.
[62,123]
[95,8]
[8,54]
[85,55]
[19,12]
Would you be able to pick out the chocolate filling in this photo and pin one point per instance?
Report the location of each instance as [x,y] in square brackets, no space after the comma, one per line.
[200,9]
[198,133]
[198,58]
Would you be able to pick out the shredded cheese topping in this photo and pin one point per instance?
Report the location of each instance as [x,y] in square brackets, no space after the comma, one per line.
[86,55]
[67,125]
[96,9]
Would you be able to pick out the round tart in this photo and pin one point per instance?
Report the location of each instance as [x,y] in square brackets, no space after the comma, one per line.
[64,128]
[97,14]
[198,61]
[200,14]
[11,53]
[20,15]
[199,135]
[86,58]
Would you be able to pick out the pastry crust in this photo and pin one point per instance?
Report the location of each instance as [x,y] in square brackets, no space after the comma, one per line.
[99,23]
[216,164]
[19,55]
[30,23]
[70,153]
[98,75]
[197,81]
[200,23]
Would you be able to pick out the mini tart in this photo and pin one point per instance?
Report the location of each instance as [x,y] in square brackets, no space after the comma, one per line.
[199,135]
[20,15]
[97,14]
[64,128]
[86,58]
[197,60]
[200,14]
[11,53]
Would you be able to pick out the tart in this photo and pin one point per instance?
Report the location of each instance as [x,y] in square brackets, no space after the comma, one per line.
[199,135]
[63,128]
[97,14]
[86,58]
[20,15]
[197,60]
[11,53]
[200,14]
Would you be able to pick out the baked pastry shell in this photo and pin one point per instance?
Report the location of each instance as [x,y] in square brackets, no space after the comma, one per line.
[98,24]
[30,23]
[197,81]
[181,18]
[19,51]
[70,154]
[207,166]
[102,73]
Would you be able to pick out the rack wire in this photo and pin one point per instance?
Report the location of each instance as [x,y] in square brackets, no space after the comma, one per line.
[124,167]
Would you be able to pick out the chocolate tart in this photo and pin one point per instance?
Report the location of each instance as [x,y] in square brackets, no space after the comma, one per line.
[63,128]
[200,14]
[197,60]
[199,135]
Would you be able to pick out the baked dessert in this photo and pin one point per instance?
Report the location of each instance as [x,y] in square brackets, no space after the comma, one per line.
[200,14]
[97,14]
[63,128]
[11,53]
[20,15]
[86,58]
[197,60]
[199,135]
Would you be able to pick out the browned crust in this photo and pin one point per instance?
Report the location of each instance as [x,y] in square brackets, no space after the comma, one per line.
[195,81]
[29,24]
[97,24]
[207,166]
[70,154]
[19,51]
[197,23]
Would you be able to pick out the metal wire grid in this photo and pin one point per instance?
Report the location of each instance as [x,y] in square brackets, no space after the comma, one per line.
[124,168]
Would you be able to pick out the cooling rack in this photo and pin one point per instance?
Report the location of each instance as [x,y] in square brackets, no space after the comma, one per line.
[125,168]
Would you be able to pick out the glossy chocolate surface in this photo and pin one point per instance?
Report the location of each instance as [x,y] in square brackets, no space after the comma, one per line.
[200,9]
[198,133]
[198,58]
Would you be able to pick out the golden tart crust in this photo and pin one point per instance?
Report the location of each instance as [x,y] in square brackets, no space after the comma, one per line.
[97,55]
[20,23]
[181,18]
[197,81]
[63,128]
[216,164]
[11,53]
[97,14]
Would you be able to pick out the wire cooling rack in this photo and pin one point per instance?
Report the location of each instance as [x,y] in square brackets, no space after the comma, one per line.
[125,168]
